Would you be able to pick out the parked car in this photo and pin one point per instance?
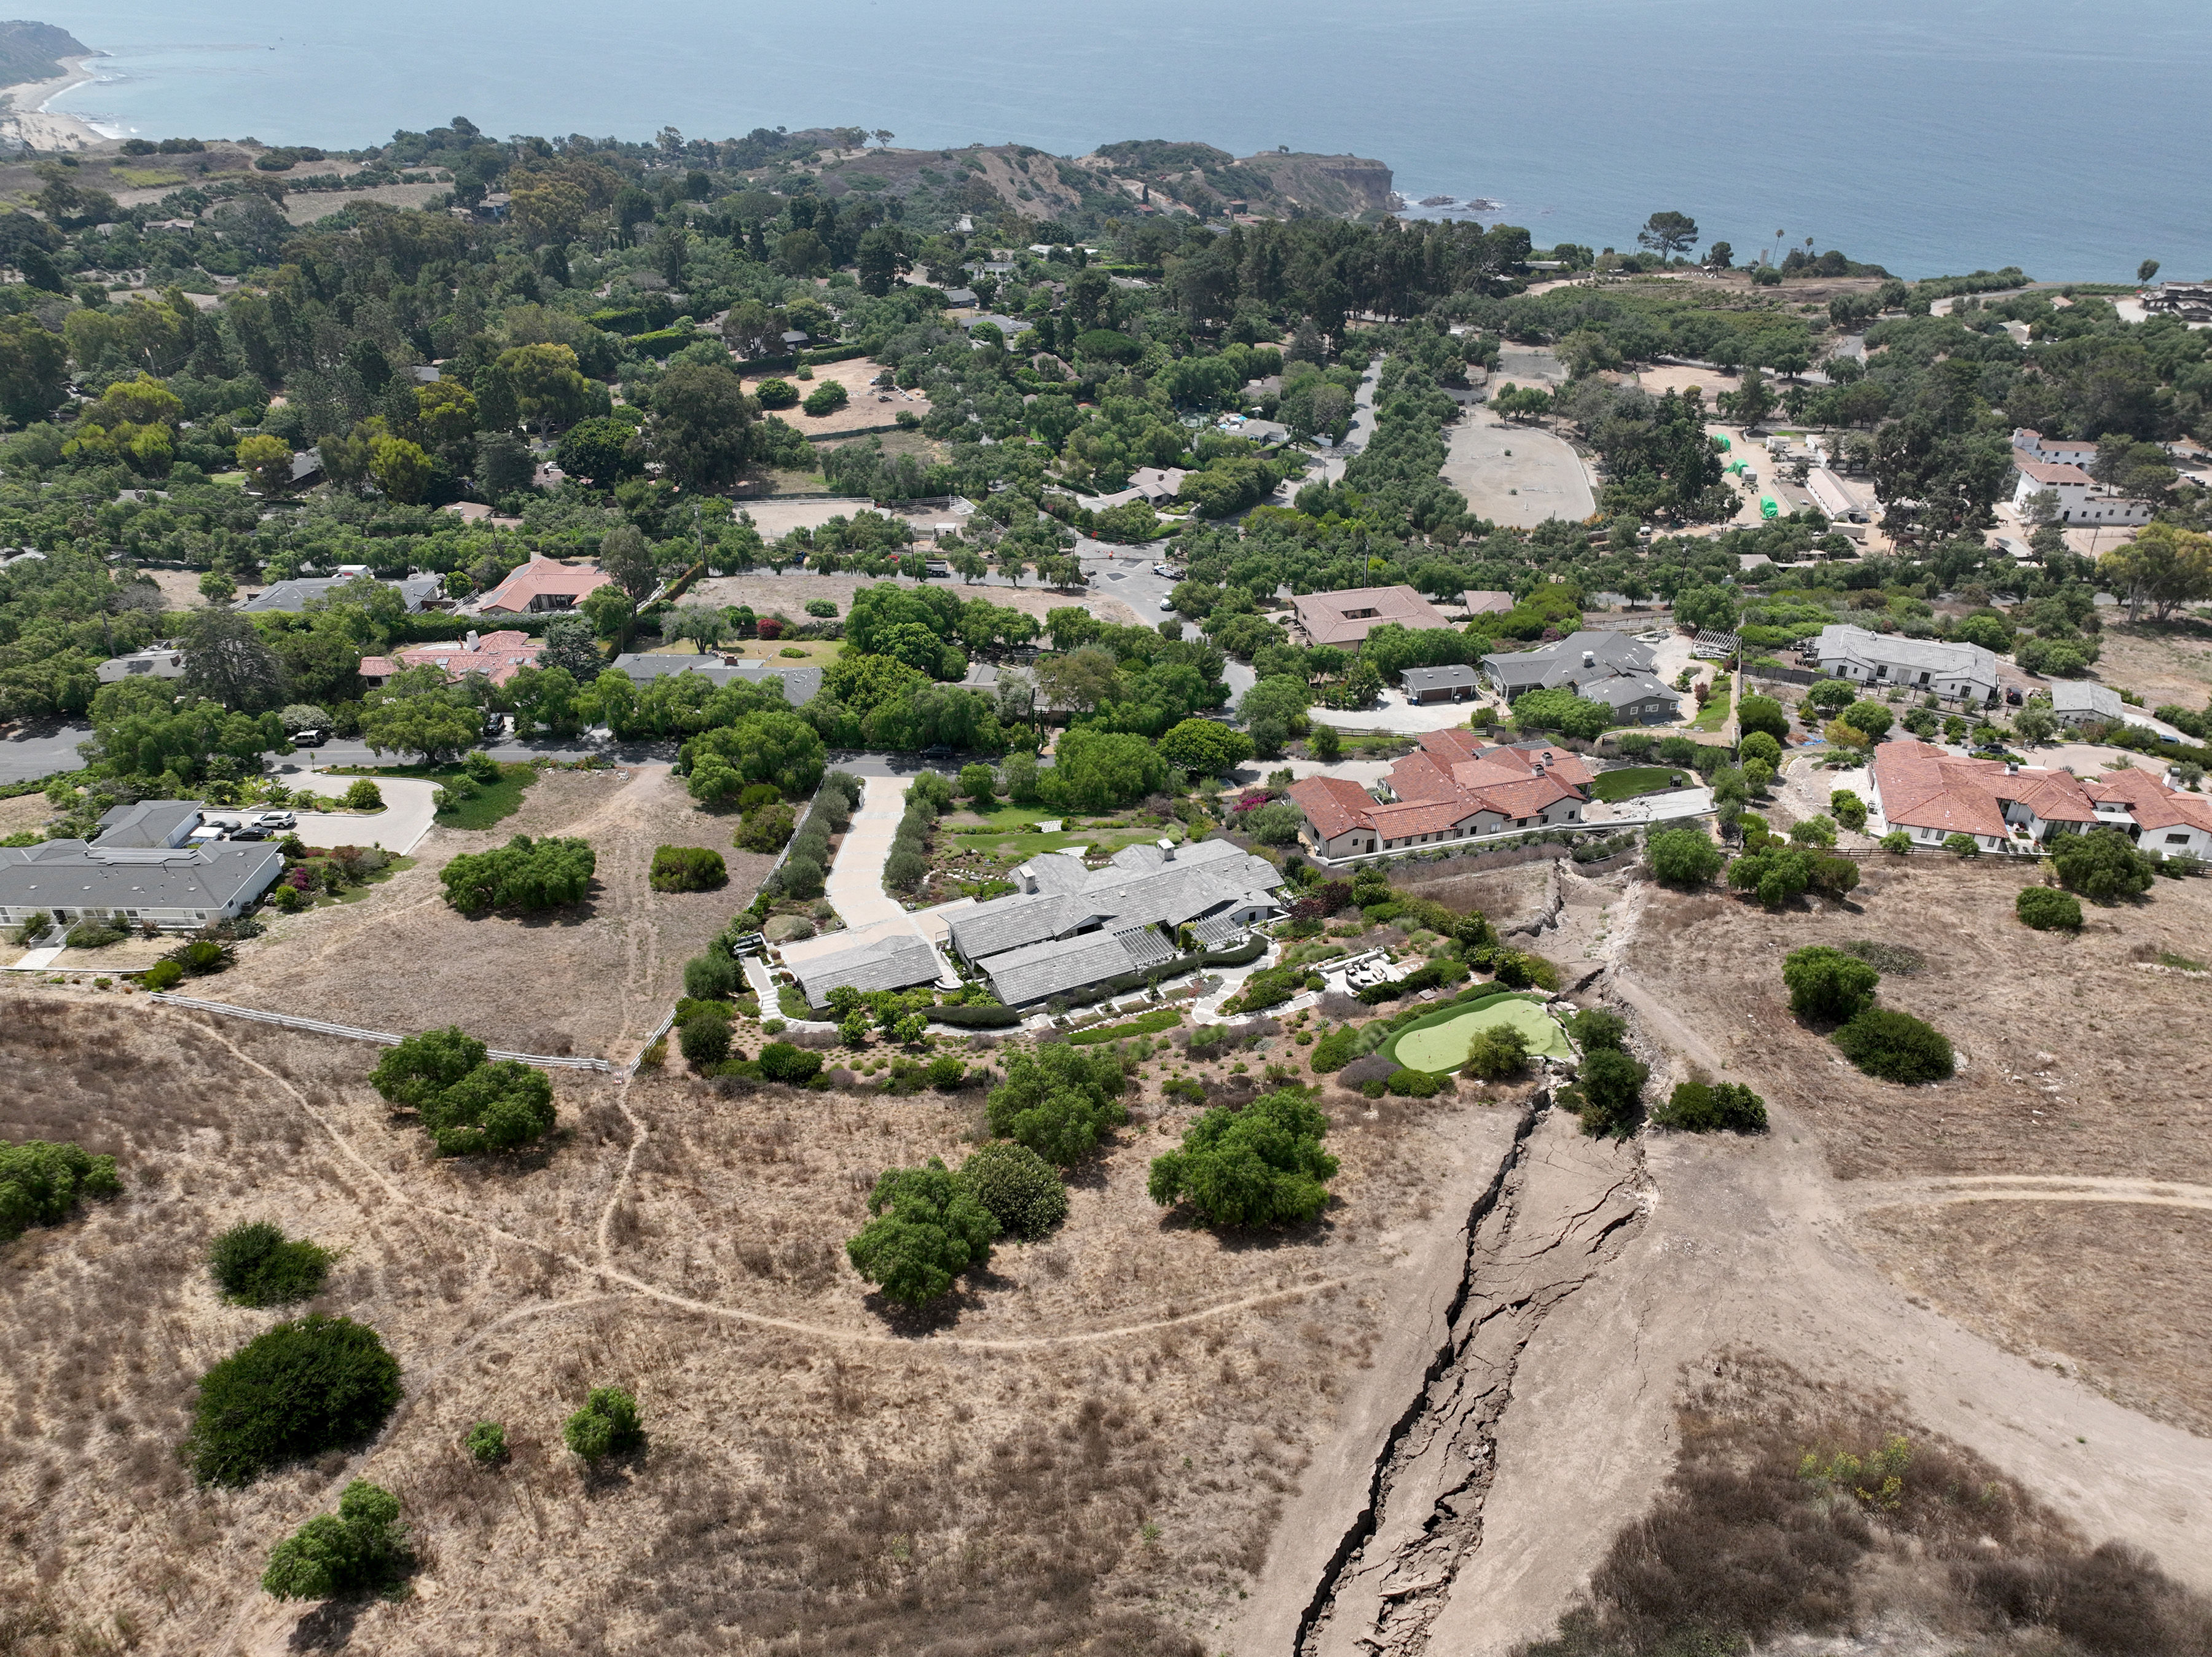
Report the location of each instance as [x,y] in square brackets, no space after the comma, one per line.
[1167,603]
[2013,698]
[307,738]
[251,831]
[278,820]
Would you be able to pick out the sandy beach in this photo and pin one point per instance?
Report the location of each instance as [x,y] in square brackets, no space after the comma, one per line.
[22,118]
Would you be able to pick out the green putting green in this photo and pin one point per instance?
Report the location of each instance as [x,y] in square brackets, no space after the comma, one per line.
[1438,1043]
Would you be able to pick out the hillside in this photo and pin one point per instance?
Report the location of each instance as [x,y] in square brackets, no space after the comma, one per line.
[33,51]
[1117,181]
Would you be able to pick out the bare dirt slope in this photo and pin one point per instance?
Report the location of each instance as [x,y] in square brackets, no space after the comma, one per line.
[1087,1453]
[590,981]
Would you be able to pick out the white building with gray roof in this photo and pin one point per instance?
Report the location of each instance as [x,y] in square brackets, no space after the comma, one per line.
[1581,658]
[1071,927]
[292,597]
[800,681]
[1883,659]
[897,962]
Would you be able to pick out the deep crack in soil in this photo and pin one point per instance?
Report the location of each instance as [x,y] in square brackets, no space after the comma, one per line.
[1560,1207]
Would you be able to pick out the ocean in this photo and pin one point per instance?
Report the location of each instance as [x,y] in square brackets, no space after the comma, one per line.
[1928,136]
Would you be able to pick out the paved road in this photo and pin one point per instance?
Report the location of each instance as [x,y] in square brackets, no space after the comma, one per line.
[410,808]
[32,751]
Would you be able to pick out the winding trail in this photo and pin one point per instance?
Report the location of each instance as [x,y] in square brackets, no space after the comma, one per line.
[2023,1188]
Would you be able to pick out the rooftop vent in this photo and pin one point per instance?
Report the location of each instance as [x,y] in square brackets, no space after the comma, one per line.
[471,643]
[1590,658]
[1167,850]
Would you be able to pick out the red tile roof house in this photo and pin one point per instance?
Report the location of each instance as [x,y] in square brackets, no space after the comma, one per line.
[541,585]
[495,655]
[1932,795]
[1453,790]
[1345,619]
[2158,818]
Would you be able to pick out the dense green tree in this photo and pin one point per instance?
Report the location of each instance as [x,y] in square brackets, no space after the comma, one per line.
[701,424]
[1684,857]
[1827,984]
[255,1265]
[1895,1046]
[2102,864]
[1262,1165]
[522,876]
[364,1547]
[1205,747]
[609,1423]
[1705,1108]
[434,726]
[1607,1093]
[927,1227]
[1060,1100]
[1022,1192]
[314,1384]
[41,1182]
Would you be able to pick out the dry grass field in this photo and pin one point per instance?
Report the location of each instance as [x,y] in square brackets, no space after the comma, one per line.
[2052,1195]
[1083,1452]
[593,981]
[2162,664]
[786,594]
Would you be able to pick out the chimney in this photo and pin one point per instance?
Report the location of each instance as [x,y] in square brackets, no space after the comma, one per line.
[1590,658]
[1029,880]
[1167,850]
[471,643]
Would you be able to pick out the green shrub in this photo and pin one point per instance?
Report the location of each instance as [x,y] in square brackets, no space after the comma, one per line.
[200,957]
[945,1072]
[712,976]
[780,1061]
[94,934]
[469,1106]
[1260,1166]
[363,795]
[1702,1108]
[704,1041]
[1962,845]
[41,1182]
[364,1548]
[928,1228]
[801,877]
[1897,840]
[253,1264]
[1412,1083]
[1607,1094]
[165,974]
[1828,984]
[687,868]
[765,829]
[1060,1100]
[1848,808]
[1895,1046]
[2102,865]
[314,1384]
[1762,715]
[905,868]
[1497,1052]
[1761,745]
[1022,1192]
[2048,910]
[1334,1051]
[608,1424]
[522,876]
[1684,857]
[486,1443]
[1599,1027]
[777,393]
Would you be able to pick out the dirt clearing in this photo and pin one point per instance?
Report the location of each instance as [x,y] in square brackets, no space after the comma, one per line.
[786,594]
[591,981]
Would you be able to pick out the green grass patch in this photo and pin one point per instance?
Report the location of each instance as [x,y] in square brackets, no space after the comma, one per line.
[354,894]
[1149,1024]
[1715,712]
[1629,782]
[493,801]
[1438,1042]
[1001,819]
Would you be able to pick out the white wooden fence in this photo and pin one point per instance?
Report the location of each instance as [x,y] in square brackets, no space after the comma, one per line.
[383,1038]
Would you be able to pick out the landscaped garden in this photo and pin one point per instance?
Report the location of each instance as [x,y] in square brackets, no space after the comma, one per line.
[1438,1043]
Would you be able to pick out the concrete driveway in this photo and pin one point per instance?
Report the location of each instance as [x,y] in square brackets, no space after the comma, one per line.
[1395,713]
[855,881]
[409,808]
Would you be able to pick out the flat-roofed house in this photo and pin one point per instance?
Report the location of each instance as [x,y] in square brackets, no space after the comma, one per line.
[1345,619]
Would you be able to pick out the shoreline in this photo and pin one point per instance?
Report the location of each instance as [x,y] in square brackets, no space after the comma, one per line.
[24,114]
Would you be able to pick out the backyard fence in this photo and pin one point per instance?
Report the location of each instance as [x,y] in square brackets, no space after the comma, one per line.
[383,1038]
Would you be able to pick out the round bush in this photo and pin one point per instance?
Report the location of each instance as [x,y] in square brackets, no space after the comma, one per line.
[1826,983]
[363,796]
[254,1266]
[704,1039]
[776,394]
[710,976]
[1761,745]
[1022,1192]
[163,975]
[2101,865]
[2048,910]
[802,877]
[1685,857]
[826,399]
[1895,1046]
[314,1384]
[487,1442]
[608,1424]
[905,868]
[780,1061]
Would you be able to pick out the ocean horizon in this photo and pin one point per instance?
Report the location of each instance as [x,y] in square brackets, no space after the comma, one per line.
[1930,138]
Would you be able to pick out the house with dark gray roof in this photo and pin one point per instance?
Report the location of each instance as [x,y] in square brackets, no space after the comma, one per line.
[1952,669]
[883,963]
[1071,927]
[1635,698]
[292,597]
[1582,658]
[176,888]
[149,823]
[801,680]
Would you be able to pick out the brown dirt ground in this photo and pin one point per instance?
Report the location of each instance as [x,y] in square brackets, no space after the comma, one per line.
[2161,664]
[1087,1453]
[866,409]
[2076,1062]
[22,812]
[2033,1278]
[770,593]
[592,981]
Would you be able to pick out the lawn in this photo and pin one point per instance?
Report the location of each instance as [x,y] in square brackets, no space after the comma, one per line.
[493,801]
[1631,781]
[820,653]
[1712,716]
[1439,1042]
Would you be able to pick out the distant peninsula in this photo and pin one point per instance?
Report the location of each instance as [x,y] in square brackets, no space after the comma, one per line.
[34,51]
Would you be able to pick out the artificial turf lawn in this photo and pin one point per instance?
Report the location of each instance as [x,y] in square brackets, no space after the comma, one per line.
[1438,1043]
[1631,781]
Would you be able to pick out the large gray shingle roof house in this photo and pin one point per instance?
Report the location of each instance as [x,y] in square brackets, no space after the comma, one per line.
[1071,927]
